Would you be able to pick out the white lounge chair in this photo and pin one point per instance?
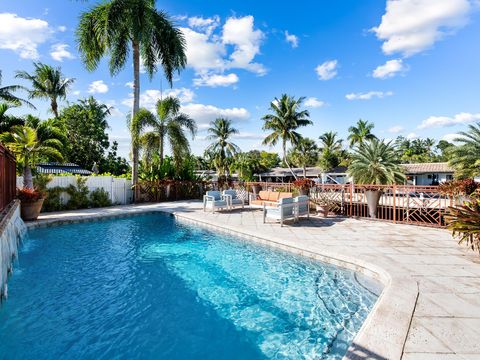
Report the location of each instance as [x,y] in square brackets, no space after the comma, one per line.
[232,199]
[214,200]
[302,206]
[283,211]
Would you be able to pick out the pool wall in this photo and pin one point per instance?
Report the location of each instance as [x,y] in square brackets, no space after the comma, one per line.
[12,229]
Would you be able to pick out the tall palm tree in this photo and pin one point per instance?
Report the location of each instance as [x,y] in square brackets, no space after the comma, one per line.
[465,158]
[375,162]
[361,132]
[330,142]
[7,96]
[221,131]
[117,27]
[285,119]
[47,83]
[304,153]
[169,125]
[23,141]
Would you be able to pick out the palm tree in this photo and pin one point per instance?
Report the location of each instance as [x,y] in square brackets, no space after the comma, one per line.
[6,120]
[169,124]
[118,26]
[304,153]
[23,141]
[361,132]
[7,96]
[246,164]
[285,119]
[47,83]
[375,163]
[221,131]
[330,142]
[465,158]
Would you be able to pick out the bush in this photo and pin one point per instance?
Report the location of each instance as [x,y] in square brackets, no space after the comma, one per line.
[99,198]
[464,222]
[78,195]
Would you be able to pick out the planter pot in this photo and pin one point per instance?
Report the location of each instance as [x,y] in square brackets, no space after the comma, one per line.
[373,197]
[323,210]
[31,210]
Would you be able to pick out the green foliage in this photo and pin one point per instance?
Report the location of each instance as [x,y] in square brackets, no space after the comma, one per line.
[222,149]
[113,164]
[8,97]
[7,121]
[156,170]
[79,198]
[99,198]
[246,165]
[416,150]
[465,158]
[304,153]
[86,124]
[360,133]
[269,160]
[41,181]
[464,222]
[375,162]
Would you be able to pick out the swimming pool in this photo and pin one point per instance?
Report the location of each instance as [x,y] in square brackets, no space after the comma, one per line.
[149,287]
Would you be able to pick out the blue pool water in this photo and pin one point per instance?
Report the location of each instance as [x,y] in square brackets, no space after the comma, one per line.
[148,287]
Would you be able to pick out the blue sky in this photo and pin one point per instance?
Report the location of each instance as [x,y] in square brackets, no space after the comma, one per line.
[409,66]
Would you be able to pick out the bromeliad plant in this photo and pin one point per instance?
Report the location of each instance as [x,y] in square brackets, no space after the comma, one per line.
[464,222]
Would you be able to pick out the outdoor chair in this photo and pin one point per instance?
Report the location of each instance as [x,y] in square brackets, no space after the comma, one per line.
[302,206]
[232,199]
[283,211]
[214,200]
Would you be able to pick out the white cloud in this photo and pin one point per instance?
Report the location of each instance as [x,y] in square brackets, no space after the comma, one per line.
[23,35]
[98,87]
[327,70]
[62,28]
[411,26]
[149,98]
[215,80]
[396,129]
[412,136]
[443,121]
[368,95]
[206,25]
[240,33]
[450,137]
[202,53]
[76,92]
[129,84]
[60,51]
[203,114]
[291,39]
[313,102]
[389,69]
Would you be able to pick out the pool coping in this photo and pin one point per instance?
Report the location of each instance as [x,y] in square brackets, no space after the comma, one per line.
[383,333]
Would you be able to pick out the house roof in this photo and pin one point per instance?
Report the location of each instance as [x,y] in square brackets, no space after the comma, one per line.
[58,168]
[423,168]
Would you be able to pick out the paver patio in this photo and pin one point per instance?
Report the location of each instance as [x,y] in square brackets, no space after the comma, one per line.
[425,272]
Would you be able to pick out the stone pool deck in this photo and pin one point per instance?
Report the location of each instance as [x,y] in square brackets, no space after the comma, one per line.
[430,306]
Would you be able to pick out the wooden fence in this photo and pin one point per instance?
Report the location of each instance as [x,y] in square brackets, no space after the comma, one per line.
[7,177]
[408,204]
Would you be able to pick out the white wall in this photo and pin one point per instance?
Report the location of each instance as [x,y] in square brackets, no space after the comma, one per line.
[119,190]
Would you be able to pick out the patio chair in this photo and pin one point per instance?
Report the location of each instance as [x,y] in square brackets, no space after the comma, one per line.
[283,211]
[232,199]
[214,200]
[302,206]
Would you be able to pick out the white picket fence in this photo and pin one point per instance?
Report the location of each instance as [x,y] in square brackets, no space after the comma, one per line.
[119,190]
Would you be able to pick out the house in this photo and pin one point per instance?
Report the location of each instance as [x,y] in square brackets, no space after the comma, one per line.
[428,173]
[56,168]
[337,175]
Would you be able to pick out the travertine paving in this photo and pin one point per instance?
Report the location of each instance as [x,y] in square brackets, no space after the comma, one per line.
[430,307]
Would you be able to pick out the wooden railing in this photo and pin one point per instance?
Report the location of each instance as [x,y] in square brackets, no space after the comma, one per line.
[7,177]
[418,205]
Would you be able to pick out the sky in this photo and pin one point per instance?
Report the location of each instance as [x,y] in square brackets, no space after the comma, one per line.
[409,66]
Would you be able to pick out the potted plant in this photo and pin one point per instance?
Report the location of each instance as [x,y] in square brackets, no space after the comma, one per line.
[28,147]
[375,163]
[325,205]
[303,185]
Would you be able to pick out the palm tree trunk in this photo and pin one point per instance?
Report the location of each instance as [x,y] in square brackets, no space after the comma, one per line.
[304,171]
[27,177]
[136,107]
[284,146]
[161,146]
[54,106]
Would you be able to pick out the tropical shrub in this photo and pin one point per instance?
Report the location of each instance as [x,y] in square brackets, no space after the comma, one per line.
[78,195]
[464,222]
[27,195]
[99,198]
[375,162]
[464,187]
[465,158]
[303,184]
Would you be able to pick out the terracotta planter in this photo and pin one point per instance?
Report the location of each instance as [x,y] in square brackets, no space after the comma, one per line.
[373,197]
[323,210]
[31,210]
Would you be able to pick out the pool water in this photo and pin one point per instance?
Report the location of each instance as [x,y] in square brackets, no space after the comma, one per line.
[149,287]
